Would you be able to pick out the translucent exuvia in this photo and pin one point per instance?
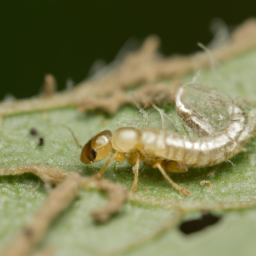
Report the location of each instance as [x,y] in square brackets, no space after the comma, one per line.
[205,150]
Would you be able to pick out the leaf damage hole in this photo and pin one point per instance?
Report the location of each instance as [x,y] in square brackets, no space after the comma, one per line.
[191,226]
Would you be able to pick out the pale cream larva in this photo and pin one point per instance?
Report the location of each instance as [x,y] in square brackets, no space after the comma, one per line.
[172,152]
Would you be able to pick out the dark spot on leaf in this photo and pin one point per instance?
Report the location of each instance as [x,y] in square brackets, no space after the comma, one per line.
[195,225]
[41,141]
[33,131]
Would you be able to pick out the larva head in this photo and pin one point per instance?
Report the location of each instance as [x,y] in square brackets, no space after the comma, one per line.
[97,148]
[126,140]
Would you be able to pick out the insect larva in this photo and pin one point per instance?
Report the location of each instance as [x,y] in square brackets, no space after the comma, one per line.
[172,152]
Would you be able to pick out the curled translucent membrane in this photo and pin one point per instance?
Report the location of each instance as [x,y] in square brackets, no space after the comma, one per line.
[205,110]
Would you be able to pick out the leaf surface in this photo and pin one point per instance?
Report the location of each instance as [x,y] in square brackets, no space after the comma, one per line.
[155,203]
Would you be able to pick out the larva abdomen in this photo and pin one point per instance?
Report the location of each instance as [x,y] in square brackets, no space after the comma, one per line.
[196,152]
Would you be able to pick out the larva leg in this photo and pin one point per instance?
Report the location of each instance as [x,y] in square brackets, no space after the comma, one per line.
[173,166]
[182,190]
[103,169]
[119,159]
[136,174]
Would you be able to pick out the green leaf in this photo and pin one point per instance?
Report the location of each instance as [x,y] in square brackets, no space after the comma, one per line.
[155,203]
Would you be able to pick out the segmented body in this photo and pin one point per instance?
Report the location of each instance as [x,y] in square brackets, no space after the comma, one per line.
[196,152]
[202,151]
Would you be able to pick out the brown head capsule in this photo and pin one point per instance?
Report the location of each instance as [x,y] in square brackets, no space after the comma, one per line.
[97,148]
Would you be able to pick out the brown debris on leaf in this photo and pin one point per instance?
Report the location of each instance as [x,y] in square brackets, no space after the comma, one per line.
[49,85]
[46,174]
[58,200]
[117,196]
[142,68]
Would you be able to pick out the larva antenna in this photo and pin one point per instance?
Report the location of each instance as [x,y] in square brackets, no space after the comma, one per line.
[74,137]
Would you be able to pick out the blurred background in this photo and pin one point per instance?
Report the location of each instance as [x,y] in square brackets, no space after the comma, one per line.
[66,37]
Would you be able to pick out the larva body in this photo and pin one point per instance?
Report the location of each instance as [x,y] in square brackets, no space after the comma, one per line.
[172,152]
